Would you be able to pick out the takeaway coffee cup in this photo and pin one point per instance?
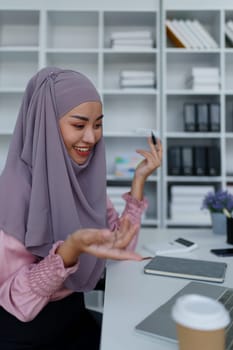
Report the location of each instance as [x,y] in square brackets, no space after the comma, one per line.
[200,322]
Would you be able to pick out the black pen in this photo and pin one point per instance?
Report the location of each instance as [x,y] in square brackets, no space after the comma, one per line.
[153,138]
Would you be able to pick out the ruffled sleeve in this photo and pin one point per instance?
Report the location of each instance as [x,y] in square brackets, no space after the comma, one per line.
[46,277]
[26,284]
[133,209]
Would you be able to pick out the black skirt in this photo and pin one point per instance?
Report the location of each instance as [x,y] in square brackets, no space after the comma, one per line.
[61,325]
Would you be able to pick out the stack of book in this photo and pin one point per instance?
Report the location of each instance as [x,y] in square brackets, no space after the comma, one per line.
[229,31]
[137,79]
[189,34]
[204,79]
[186,202]
[115,194]
[131,40]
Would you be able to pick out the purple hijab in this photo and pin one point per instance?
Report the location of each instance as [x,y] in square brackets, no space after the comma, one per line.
[44,195]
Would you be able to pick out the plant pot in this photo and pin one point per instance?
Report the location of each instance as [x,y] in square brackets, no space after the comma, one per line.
[219,223]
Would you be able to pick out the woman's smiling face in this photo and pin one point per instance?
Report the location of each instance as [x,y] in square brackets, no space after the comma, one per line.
[81,129]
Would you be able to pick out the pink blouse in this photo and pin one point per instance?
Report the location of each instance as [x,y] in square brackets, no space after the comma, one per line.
[27,285]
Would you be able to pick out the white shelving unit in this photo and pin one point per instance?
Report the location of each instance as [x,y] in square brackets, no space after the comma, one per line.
[177,65]
[77,36]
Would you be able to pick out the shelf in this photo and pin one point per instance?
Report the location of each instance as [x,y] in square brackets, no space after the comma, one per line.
[19,28]
[17,68]
[173,223]
[119,179]
[192,135]
[114,63]
[191,92]
[193,179]
[191,51]
[72,29]
[128,21]
[132,91]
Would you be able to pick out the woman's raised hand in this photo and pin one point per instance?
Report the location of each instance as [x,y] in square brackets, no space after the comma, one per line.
[152,159]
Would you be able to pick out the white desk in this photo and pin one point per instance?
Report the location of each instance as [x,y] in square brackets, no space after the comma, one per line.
[131,295]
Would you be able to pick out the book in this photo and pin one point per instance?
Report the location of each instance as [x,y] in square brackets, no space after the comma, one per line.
[205,35]
[194,200]
[229,30]
[230,24]
[213,161]
[201,44]
[137,74]
[191,190]
[229,33]
[138,34]
[200,160]
[187,160]
[194,215]
[189,113]
[137,82]
[174,35]
[182,33]
[202,270]
[201,35]
[205,71]
[207,88]
[130,47]
[174,160]
[214,117]
[205,80]
[181,27]
[144,43]
[202,119]
[189,34]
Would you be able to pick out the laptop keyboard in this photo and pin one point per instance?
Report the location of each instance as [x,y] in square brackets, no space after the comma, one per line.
[227,300]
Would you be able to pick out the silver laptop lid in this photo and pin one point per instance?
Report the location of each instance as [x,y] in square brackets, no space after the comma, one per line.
[159,322]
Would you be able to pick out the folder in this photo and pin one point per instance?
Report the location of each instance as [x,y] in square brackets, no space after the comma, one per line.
[202,117]
[214,117]
[174,160]
[187,160]
[200,160]
[213,161]
[189,111]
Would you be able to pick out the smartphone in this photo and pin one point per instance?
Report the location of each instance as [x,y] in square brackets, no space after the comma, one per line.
[222,252]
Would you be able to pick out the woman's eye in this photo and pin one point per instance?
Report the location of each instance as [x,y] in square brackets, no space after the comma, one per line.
[97,126]
[79,126]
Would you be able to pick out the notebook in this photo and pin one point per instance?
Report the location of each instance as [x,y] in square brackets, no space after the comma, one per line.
[159,323]
[202,270]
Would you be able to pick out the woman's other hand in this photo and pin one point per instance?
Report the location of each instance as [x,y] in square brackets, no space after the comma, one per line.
[101,243]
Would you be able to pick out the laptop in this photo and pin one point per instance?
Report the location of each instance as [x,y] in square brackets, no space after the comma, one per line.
[160,324]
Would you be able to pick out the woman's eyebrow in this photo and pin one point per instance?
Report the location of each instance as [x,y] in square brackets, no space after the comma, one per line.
[85,118]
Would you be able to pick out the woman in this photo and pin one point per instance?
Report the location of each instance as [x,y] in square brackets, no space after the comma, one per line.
[57,224]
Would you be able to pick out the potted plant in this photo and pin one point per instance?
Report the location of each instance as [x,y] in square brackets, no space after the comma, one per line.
[216,202]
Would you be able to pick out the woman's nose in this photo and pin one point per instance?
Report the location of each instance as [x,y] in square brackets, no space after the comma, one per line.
[89,136]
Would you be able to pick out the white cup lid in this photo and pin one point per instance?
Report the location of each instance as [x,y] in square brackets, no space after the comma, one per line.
[200,312]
